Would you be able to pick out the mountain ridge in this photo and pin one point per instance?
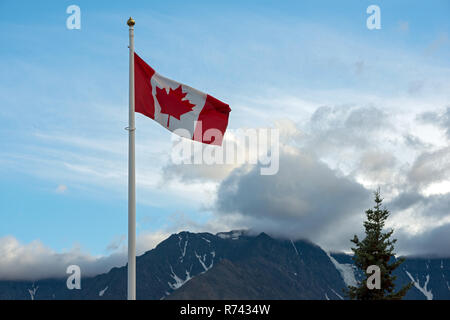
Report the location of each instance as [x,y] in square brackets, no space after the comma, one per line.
[236,265]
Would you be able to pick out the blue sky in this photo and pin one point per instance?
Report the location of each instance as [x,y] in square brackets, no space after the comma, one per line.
[64,96]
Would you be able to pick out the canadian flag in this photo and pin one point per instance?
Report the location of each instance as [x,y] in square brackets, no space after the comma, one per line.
[178,107]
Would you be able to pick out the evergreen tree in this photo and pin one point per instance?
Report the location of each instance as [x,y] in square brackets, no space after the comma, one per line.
[377,248]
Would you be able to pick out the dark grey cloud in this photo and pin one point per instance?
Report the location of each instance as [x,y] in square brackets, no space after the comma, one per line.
[406,200]
[430,167]
[432,242]
[436,206]
[306,199]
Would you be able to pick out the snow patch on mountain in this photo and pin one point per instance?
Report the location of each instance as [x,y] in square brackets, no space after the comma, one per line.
[209,241]
[295,248]
[337,294]
[346,271]
[427,293]
[33,291]
[202,260]
[102,292]
[178,281]
[183,250]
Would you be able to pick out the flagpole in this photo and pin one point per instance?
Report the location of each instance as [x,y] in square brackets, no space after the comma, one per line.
[131,290]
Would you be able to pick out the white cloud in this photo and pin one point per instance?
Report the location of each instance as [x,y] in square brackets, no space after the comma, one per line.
[35,260]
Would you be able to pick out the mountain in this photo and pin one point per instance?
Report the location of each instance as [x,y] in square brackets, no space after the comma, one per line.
[264,268]
[236,265]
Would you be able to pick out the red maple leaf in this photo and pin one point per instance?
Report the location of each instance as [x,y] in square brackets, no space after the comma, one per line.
[172,103]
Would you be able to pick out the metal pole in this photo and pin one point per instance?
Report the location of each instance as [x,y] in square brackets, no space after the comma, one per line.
[131,178]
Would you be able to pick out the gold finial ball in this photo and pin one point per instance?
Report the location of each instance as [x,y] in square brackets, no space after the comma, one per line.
[131,22]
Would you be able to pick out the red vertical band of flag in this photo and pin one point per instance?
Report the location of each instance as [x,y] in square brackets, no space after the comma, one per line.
[142,87]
